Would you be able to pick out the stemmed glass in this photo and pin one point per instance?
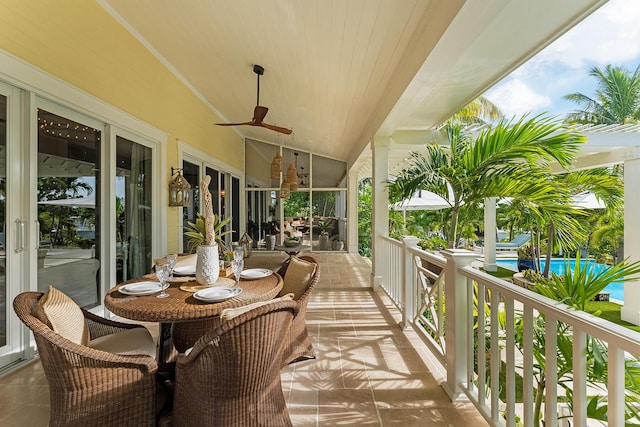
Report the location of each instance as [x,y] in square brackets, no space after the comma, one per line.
[238,262]
[162,273]
[172,259]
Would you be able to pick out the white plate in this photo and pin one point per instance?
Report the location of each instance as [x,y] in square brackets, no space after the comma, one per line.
[256,273]
[217,293]
[185,270]
[141,288]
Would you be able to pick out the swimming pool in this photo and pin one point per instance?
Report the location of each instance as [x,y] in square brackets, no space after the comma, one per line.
[615,289]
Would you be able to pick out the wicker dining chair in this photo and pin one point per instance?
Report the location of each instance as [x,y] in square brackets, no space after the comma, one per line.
[298,344]
[231,377]
[89,387]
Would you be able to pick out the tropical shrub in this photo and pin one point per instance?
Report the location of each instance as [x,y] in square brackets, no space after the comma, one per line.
[196,232]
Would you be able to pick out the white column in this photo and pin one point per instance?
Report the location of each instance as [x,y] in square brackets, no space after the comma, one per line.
[489,250]
[456,325]
[631,308]
[380,212]
[409,281]
[352,212]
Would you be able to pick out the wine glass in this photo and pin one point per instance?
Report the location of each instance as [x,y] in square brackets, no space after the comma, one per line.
[172,259]
[238,252]
[237,265]
[162,273]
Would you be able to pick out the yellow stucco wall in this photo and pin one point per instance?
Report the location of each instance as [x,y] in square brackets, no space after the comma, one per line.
[80,43]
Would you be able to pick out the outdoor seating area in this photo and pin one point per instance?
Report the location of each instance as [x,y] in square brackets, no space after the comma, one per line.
[318,218]
[517,242]
[367,369]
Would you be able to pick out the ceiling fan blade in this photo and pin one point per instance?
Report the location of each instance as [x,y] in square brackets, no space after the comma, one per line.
[276,128]
[235,124]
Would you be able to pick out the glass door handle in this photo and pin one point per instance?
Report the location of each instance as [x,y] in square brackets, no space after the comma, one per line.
[19,235]
[38,233]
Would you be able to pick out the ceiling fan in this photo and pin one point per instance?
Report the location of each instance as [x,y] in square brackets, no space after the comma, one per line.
[259,112]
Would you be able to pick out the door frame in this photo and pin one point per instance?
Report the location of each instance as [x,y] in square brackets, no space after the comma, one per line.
[198,157]
[33,88]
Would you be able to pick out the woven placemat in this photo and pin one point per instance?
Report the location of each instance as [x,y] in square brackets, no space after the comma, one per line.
[193,286]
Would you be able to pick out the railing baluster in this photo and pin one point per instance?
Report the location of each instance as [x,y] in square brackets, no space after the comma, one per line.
[551,372]
[528,394]
[495,358]
[510,369]
[615,384]
[482,346]
[470,335]
[579,381]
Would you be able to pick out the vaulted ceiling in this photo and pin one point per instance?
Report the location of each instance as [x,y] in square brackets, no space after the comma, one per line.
[340,72]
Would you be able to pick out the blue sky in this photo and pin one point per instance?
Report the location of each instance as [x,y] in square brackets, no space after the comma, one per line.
[611,35]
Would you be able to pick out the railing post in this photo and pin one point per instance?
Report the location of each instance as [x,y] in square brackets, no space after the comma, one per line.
[455,296]
[408,281]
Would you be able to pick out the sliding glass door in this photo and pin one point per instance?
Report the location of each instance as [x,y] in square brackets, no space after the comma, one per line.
[225,192]
[9,334]
[133,209]
[78,205]
[68,206]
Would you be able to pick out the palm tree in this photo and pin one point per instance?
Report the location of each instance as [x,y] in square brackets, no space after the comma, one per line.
[604,183]
[507,160]
[617,99]
[478,111]
[609,232]
[513,216]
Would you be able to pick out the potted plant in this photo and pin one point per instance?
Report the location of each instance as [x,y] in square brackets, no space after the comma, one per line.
[196,232]
[526,257]
[292,241]
[254,232]
[323,239]
[271,231]
[336,243]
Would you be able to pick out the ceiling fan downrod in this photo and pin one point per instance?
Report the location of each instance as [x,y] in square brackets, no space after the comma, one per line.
[259,70]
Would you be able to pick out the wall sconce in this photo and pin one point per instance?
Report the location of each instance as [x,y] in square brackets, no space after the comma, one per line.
[179,189]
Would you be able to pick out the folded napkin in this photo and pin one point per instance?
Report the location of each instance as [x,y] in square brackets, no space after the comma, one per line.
[187,260]
[182,261]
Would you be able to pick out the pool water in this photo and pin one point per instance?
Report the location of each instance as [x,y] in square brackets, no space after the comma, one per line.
[615,289]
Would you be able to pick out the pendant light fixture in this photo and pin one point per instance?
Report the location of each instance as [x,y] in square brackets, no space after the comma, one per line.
[276,165]
[285,191]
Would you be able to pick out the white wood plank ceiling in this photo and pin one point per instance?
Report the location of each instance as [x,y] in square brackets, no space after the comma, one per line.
[339,72]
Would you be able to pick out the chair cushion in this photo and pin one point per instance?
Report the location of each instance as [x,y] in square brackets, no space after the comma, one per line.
[230,313]
[63,315]
[130,341]
[296,279]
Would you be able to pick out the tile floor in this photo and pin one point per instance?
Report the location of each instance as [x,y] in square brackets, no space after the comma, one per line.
[369,371]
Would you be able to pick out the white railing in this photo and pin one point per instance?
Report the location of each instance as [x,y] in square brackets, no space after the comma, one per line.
[392,268]
[428,316]
[487,352]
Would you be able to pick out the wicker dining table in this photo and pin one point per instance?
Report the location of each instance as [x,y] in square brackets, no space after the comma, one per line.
[181,306]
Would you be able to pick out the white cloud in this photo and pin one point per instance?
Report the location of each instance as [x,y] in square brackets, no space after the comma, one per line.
[611,35]
[515,98]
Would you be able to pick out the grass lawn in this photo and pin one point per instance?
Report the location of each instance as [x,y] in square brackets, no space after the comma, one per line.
[610,311]
[502,273]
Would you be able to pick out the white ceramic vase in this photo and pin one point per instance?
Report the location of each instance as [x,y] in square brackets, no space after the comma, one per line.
[207,264]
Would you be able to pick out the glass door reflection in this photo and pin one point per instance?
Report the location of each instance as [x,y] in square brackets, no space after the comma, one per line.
[68,202]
